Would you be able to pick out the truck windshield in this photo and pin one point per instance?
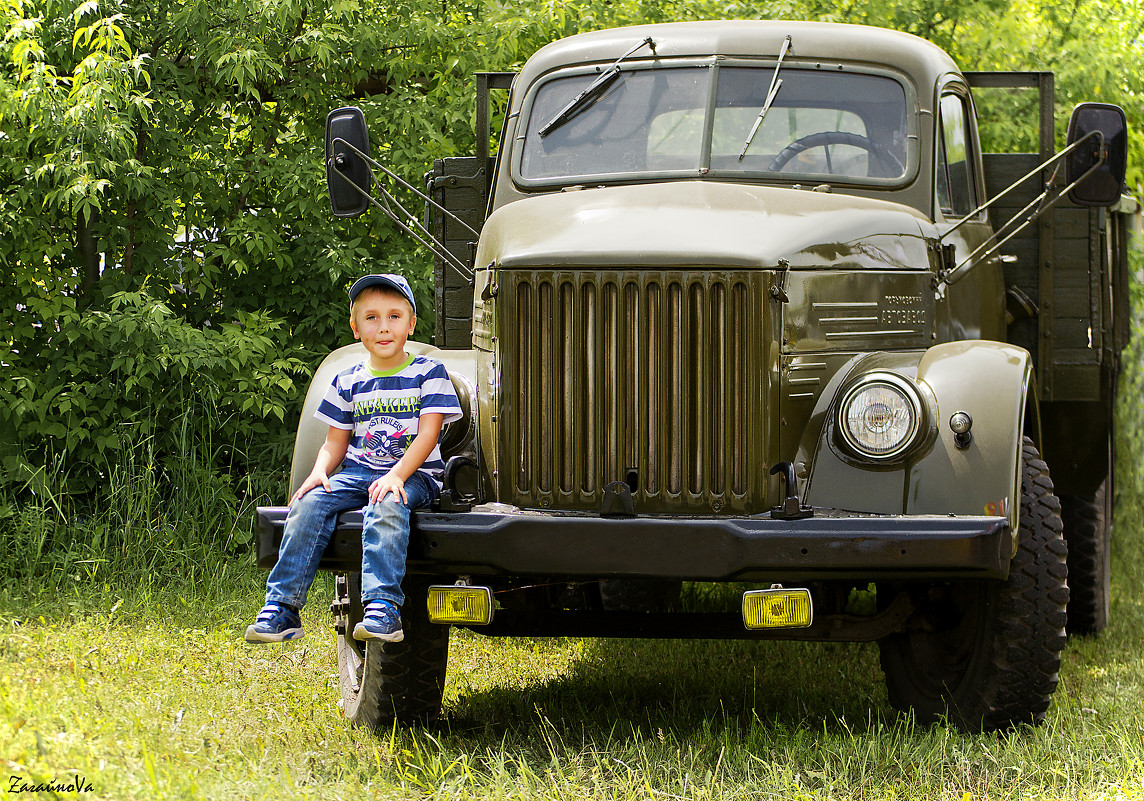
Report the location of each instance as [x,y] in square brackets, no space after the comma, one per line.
[834,127]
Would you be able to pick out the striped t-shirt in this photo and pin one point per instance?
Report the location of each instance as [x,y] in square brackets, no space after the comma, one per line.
[383,409]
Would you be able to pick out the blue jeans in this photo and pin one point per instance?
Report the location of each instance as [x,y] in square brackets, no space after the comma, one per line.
[385,535]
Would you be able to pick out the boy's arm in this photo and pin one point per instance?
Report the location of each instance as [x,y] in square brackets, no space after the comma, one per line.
[330,455]
[428,430]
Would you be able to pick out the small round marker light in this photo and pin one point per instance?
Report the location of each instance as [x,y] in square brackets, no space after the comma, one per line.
[960,424]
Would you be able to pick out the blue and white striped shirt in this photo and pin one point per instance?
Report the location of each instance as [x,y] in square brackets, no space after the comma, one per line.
[383,409]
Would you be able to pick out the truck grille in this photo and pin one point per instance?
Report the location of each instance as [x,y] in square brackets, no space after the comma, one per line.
[655,380]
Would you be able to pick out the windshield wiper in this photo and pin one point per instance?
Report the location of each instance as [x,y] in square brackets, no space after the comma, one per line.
[776,84]
[594,90]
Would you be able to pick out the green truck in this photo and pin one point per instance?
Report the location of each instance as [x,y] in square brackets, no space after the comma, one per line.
[745,352]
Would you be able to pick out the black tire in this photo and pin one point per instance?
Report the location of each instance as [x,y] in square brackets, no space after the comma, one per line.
[985,655]
[386,682]
[1088,529]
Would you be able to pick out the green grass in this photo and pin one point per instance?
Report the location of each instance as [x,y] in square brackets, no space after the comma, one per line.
[149,693]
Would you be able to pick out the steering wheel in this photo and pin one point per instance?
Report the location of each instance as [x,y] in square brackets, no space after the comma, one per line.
[826,138]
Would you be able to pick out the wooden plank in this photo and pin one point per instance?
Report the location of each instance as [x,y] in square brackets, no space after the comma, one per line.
[458,301]
[1071,254]
[1004,169]
[1096,319]
[459,185]
[1072,222]
[1077,382]
[458,332]
[1072,335]
[1078,356]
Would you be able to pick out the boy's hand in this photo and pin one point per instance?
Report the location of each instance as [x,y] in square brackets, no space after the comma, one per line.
[315,479]
[390,482]
[330,455]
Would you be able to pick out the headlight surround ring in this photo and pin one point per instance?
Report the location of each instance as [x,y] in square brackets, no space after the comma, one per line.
[881,417]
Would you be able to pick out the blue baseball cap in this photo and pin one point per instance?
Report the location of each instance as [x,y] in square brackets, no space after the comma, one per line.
[389,281]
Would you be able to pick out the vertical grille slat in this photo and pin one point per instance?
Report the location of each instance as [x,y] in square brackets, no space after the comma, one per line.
[695,392]
[546,405]
[619,371]
[633,396]
[721,422]
[588,408]
[609,346]
[524,393]
[736,376]
[566,457]
[673,334]
[653,370]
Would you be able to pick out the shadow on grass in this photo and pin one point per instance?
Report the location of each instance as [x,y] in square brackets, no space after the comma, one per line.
[643,688]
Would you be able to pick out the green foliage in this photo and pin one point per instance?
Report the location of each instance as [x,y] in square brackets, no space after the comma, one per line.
[1130,414]
[103,381]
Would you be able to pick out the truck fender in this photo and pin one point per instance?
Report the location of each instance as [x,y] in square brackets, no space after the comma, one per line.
[458,437]
[991,381]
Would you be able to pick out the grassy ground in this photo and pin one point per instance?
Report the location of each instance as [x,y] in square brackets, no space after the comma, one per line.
[149,692]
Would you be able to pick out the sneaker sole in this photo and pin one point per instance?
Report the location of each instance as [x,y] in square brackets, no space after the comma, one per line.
[361,634]
[254,635]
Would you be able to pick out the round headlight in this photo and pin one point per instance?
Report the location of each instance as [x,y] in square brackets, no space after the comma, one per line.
[879,418]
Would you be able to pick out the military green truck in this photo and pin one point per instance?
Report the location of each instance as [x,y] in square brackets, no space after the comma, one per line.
[744,352]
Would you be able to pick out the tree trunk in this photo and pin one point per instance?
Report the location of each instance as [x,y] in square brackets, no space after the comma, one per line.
[89,254]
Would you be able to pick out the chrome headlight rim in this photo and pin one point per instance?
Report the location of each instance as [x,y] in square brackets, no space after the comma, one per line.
[895,383]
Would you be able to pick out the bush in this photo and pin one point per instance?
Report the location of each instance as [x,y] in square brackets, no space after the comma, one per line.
[140,438]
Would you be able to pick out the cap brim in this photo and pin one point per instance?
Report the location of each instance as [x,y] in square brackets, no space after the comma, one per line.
[367,281]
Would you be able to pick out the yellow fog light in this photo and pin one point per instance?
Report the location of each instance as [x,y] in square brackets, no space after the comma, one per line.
[459,604]
[777,608]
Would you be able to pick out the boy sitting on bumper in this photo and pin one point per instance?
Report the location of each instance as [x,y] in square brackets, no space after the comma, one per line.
[385,417]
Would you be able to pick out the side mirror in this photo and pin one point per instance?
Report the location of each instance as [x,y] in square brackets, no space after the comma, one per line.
[1105,185]
[348,177]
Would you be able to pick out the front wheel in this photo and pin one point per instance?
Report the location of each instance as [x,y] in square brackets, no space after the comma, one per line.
[986,654]
[385,681]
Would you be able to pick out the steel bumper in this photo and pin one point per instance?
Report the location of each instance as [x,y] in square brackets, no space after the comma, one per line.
[829,545]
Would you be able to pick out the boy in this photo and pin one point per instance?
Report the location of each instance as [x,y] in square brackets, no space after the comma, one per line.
[385,417]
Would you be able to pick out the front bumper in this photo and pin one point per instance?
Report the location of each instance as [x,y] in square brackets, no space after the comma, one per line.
[829,545]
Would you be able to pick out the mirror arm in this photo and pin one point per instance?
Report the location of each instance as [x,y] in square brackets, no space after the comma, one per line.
[991,245]
[410,222]
[433,245]
[977,211]
[406,185]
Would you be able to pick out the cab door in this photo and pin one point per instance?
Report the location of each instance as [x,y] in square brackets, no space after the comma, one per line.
[972,303]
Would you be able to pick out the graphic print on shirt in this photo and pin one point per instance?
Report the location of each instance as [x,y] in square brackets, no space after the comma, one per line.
[383,411]
[385,437]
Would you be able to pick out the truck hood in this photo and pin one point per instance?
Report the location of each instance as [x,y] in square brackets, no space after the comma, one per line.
[704,223]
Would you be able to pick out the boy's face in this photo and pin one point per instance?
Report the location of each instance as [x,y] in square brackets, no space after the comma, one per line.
[383,322]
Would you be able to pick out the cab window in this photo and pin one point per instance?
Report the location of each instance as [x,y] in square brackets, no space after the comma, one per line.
[956,183]
[655,121]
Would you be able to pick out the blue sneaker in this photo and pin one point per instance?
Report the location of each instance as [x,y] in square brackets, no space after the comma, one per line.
[275,623]
[382,622]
